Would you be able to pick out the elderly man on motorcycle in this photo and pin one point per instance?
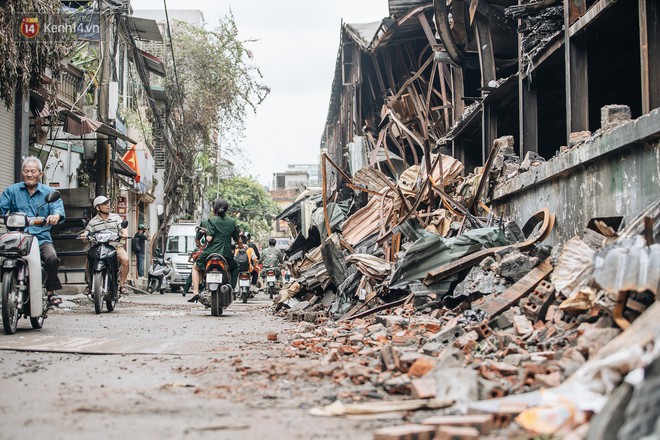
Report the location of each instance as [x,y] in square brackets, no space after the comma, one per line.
[106,220]
[29,197]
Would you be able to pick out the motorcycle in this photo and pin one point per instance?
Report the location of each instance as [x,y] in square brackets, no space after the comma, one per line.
[159,273]
[103,268]
[270,281]
[244,285]
[22,288]
[217,285]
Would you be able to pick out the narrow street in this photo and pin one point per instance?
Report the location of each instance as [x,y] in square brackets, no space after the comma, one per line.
[159,367]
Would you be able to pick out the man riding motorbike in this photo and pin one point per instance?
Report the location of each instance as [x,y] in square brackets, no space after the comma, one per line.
[272,258]
[29,197]
[106,220]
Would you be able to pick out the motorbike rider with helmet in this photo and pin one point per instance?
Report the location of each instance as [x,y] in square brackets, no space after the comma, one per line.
[247,241]
[272,258]
[106,220]
[220,231]
[29,197]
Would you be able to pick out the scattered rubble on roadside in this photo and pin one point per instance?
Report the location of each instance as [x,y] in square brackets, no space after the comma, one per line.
[427,295]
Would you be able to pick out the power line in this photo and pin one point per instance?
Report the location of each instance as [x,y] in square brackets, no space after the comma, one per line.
[176,74]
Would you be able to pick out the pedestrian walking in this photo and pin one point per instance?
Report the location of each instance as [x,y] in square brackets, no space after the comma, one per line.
[139,247]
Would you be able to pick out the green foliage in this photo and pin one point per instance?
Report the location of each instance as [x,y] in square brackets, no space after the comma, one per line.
[86,58]
[252,205]
[133,118]
[86,172]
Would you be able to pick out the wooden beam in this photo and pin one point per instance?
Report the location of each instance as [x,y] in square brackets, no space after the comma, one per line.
[379,75]
[443,90]
[497,304]
[488,129]
[528,116]
[573,9]
[586,16]
[457,93]
[428,31]
[576,72]
[486,56]
[649,38]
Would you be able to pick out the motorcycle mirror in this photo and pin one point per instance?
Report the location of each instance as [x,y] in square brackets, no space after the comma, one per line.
[84,222]
[53,196]
[124,224]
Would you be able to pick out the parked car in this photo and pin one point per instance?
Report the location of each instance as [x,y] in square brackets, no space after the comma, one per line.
[282,243]
[180,243]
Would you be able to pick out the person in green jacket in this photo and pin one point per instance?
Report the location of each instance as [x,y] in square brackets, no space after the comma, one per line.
[219,234]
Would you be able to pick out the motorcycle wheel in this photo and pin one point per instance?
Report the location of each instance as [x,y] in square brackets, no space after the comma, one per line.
[9,303]
[97,291]
[245,295]
[216,307]
[152,286]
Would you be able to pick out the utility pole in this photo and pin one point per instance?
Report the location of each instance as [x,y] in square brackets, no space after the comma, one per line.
[102,146]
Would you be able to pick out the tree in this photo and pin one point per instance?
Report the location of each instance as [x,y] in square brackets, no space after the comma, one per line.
[250,202]
[211,84]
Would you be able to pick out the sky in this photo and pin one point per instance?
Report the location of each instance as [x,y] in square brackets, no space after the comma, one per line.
[296,51]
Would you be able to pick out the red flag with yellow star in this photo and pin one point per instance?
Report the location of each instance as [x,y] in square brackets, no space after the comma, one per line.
[130,158]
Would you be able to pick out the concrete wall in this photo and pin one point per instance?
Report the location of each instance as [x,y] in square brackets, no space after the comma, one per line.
[615,173]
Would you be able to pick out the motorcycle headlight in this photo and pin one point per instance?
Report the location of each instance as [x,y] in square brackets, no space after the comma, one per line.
[16,221]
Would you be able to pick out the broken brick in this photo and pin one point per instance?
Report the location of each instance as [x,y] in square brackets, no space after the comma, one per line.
[405,432]
[483,423]
[423,388]
[420,367]
[456,433]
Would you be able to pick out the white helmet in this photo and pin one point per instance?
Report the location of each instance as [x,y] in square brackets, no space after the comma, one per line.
[100,200]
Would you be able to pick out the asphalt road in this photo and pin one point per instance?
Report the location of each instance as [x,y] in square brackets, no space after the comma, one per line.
[161,368]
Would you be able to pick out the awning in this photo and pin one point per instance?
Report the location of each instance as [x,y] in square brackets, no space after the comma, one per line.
[120,167]
[144,29]
[152,63]
[81,125]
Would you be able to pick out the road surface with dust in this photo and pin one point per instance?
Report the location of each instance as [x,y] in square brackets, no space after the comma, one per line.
[159,367]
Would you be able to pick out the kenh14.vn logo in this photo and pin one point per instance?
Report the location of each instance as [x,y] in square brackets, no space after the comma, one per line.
[29,27]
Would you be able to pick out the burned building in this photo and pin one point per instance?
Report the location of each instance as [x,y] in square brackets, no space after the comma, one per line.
[575,84]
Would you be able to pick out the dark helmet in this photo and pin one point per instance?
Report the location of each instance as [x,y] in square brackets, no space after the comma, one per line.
[272,242]
[220,205]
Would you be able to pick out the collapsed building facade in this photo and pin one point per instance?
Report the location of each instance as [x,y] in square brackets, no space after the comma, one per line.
[483,158]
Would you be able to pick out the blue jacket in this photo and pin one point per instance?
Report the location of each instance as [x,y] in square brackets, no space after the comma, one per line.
[17,199]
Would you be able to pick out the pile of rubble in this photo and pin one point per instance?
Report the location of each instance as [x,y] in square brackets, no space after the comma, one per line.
[423,299]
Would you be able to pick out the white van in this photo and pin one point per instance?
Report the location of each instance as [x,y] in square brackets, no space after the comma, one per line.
[179,245]
[282,243]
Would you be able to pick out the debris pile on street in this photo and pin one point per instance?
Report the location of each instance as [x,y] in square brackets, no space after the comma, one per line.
[414,297]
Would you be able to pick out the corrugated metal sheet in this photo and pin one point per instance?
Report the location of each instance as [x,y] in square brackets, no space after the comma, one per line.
[399,7]
[7,124]
[432,251]
[367,220]
[629,265]
[363,33]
